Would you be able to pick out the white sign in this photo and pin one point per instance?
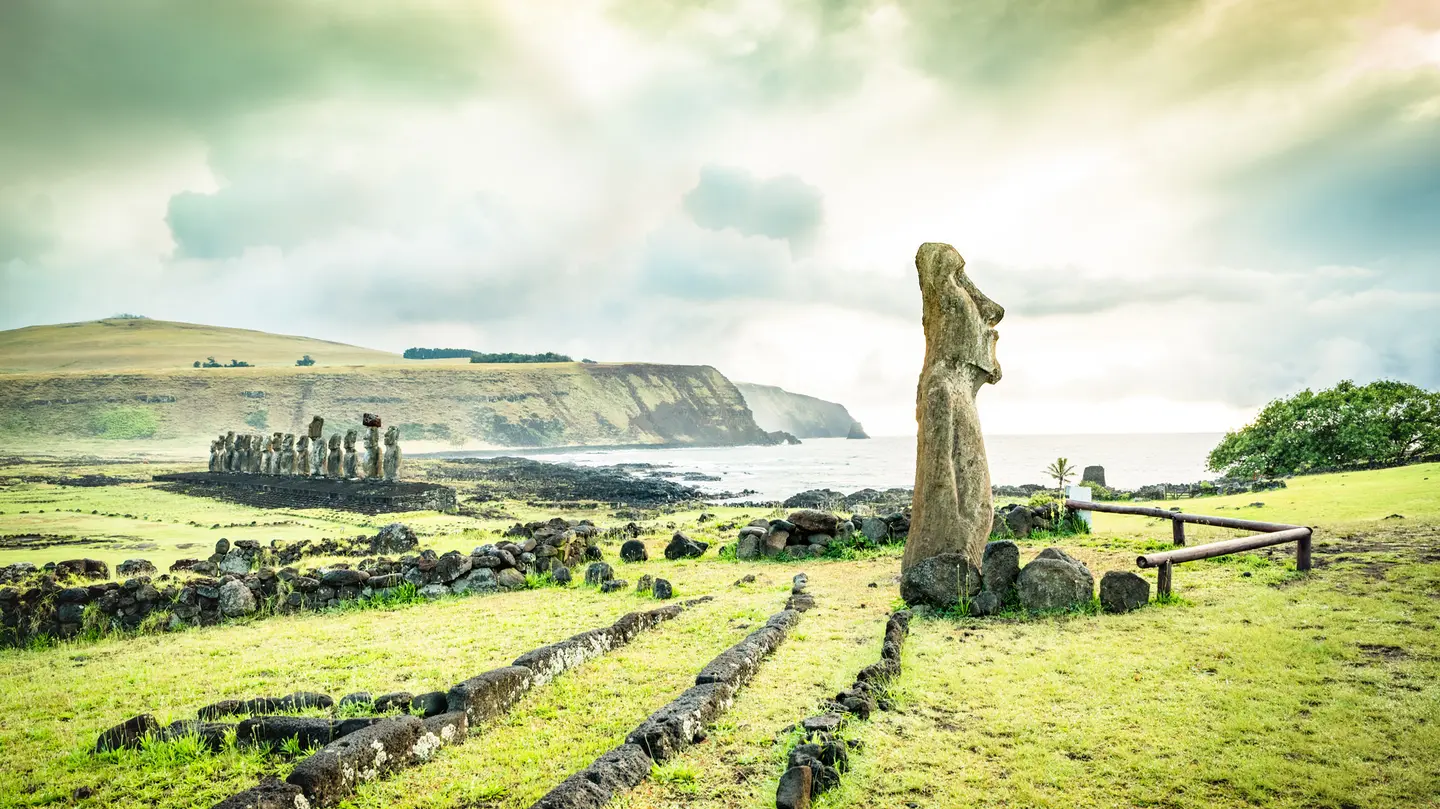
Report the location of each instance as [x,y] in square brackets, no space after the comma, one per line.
[1081,493]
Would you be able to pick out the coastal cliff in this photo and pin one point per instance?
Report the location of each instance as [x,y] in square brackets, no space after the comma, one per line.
[804,416]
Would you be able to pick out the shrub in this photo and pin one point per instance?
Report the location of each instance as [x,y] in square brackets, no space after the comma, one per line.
[260,419]
[123,423]
[1385,422]
[510,356]
[305,361]
[436,353]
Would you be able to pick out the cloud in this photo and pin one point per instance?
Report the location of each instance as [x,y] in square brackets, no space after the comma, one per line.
[783,207]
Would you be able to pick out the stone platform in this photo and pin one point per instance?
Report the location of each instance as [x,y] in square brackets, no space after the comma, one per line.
[274,491]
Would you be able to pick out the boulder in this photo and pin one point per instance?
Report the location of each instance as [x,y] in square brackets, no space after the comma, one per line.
[270,794]
[510,579]
[333,773]
[750,547]
[452,566]
[394,538]
[646,584]
[1053,584]
[236,599]
[429,704]
[613,585]
[634,551]
[236,562]
[128,733]
[343,577]
[491,694]
[875,529]
[433,591]
[1123,591]
[561,575]
[986,603]
[811,521]
[794,789]
[1000,567]
[937,581]
[775,542]
[598,573]
[662,589]
[683,547]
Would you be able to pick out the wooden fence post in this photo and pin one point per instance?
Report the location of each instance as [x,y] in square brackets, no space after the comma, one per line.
[1178,530]
[1162,582]
[1302,553]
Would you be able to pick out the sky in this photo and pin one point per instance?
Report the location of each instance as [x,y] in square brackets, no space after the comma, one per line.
[1187,208]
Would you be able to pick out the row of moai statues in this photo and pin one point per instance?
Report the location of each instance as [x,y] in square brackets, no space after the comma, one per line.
[312,455]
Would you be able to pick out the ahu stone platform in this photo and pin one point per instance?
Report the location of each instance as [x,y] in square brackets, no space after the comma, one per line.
[279,491]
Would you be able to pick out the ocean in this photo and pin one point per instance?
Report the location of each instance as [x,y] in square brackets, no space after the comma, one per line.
[775,473]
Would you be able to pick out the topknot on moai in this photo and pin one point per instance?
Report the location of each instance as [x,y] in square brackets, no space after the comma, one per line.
[372,446]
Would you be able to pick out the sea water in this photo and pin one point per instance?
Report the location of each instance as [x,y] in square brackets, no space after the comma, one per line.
[777,472]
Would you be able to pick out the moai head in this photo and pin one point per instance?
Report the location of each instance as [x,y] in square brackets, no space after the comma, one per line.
[392,437]
[334,442]
[317,428]
[288,445]
[350,436]
[230,440]
[959,319]
[303,444]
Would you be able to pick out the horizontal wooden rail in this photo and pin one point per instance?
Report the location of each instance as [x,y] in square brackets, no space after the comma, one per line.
[1272,534]
[1225,547]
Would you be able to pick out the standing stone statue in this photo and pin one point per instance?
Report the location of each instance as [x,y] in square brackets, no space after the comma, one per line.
[241,444]
[287,455]
[272,454]
[302,456]
[217,453]
[317,437]
[352,458]
[392,454]
[952,510]
[257,453]
[332,460]
[229,464]
[372,453]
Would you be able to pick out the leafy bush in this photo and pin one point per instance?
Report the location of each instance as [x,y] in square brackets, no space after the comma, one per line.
[436,353]
[260,419]
[124,423]
[305,361]
[1349,424]
[510,356]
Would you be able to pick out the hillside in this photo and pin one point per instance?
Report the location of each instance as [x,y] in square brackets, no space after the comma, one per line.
[437,406]
[804,416]
[151,345]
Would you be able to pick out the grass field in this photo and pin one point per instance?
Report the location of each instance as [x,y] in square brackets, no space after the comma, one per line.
[1262,687]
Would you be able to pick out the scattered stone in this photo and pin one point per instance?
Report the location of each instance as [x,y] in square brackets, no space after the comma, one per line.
[511,579]
[613,585]
[634,551]
[1123,591]
[798,583]
[136,567]
[986,603]
[646,584]
[663,590]
[429,704]
[398,700]
[683,547]
[561,575]
[875,529]
[1000,567]
[775,542]
[598,573]
[750,547]
[360,698]
[748,578]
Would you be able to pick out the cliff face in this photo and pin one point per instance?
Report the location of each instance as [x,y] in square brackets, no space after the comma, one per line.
[804,416]
[436,406]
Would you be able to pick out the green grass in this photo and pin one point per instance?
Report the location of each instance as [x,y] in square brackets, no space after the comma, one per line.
[1254,686]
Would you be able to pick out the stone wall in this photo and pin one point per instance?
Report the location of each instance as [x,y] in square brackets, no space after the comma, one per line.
[267,491]
[53,603]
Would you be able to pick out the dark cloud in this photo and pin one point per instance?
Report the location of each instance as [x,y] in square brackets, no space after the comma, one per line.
[782,207]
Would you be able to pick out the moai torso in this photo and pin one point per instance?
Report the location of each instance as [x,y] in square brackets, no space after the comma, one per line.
[257,454]
[228,465]
[352,460]
[372,453]
[287,455]
[392,454]
[332,459]
[302,456]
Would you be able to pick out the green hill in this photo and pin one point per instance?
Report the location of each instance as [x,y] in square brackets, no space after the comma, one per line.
[127,386]
[124,344]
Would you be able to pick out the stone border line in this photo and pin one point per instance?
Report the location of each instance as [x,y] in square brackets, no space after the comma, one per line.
[816,763]
[668,731]
[388,745]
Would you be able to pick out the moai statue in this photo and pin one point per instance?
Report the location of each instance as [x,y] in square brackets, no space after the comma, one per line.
[392,454]
[229,464]
[216,448]
[317,440]
[287,455]
[332,459]
[257,453]
[352,458]
[242,454]
[302,456]
[952,504]
[372,447]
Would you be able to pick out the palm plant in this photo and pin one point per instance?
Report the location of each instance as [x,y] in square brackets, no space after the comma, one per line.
[1061,471]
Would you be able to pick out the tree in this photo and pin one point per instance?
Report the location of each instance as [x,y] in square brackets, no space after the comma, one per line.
[305,361]
[1061,471]
[1383,422]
